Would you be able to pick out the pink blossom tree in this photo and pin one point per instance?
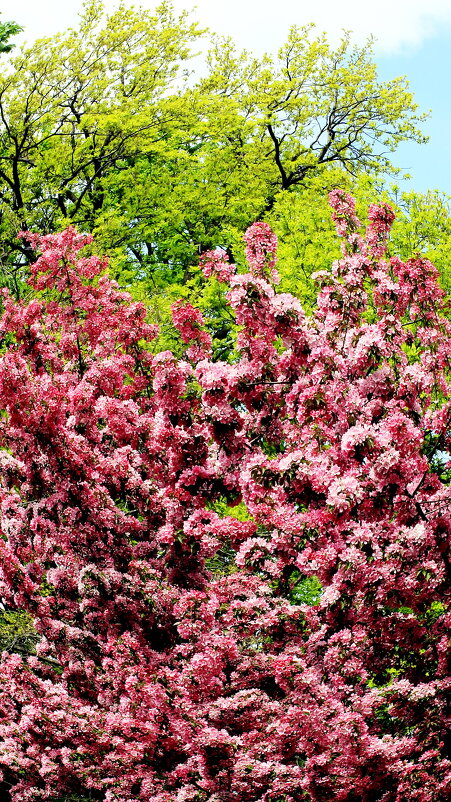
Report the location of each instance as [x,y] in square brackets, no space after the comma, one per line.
[157,677]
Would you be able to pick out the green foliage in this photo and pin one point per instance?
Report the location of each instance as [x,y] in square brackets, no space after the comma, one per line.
[100,128]
[17,633]
[237,511]
[304,589]
[313,106]
[77,108]
[441,465]
[7,30]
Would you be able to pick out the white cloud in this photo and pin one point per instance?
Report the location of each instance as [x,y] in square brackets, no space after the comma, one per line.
[263,24]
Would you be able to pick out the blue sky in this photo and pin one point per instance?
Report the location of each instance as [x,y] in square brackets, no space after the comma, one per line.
[428,68]
[413,39]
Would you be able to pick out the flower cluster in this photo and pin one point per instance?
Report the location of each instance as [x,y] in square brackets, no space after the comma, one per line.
[189,322]
[261,249]
[216,263]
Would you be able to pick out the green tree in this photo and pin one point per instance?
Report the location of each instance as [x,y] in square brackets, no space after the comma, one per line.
[7,30]
[75,108]
[311,107]
[100,128]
